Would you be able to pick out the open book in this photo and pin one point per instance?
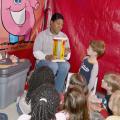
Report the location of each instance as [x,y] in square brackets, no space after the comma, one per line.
[58,60]
[59,49]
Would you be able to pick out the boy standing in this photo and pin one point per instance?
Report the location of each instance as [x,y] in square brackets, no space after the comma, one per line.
[89,68]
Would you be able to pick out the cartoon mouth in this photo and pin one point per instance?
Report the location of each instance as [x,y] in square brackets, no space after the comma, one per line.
[18,17]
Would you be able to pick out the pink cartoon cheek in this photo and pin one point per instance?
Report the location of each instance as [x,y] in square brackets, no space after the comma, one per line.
[18,14]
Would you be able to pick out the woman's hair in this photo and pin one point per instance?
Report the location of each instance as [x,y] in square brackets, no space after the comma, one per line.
[114,103]
[75,103]
[57,16]
[98,46]
[113,80]
[39,76]
[79,81]
[44,102]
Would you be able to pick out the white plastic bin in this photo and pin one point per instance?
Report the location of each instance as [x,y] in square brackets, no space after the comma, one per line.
[12,81]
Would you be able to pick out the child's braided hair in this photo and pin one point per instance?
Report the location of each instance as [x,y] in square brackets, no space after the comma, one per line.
[44,102]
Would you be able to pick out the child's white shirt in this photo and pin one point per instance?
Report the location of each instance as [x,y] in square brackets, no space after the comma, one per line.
[24,107]
[24,117]
[62,115]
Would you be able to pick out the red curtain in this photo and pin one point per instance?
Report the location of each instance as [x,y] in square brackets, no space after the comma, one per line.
[92,19]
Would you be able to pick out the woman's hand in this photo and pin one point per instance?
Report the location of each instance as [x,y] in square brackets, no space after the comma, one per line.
[49,57]
[67,50]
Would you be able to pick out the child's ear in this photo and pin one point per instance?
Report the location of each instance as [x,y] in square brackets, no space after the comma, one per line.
[110,88]
[95,53]
[51,22]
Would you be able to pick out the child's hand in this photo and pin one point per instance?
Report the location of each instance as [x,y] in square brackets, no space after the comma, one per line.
[93,98]
[95,107]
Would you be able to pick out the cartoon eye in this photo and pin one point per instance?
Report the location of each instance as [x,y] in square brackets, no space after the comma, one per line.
[17,1]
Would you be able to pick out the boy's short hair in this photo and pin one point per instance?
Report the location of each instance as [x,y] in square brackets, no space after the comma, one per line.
[113,80]
[114,102]
[98,46]
[57,16]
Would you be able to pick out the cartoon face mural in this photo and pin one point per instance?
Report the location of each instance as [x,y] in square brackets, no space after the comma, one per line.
[18,17]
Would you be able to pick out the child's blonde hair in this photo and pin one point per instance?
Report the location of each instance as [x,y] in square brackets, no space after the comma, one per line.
[113,80]
[98,46]
[114,103]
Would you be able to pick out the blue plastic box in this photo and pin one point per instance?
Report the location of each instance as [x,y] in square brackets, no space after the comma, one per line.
[12,81]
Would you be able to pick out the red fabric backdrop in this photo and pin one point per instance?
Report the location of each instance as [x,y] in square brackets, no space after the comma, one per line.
[92,19]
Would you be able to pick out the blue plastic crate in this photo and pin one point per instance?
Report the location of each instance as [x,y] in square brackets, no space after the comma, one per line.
[3,116]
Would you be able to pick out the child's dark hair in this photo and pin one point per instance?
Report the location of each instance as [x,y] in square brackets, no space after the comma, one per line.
[44,102]
[57,16]
[79,81]
[75,104]
[40,76]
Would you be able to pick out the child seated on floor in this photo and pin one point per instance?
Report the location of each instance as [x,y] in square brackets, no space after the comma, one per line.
[77,80]
[44,102]
[114,105]
[75,106]
[111,83]
[89,67]
[39,76]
